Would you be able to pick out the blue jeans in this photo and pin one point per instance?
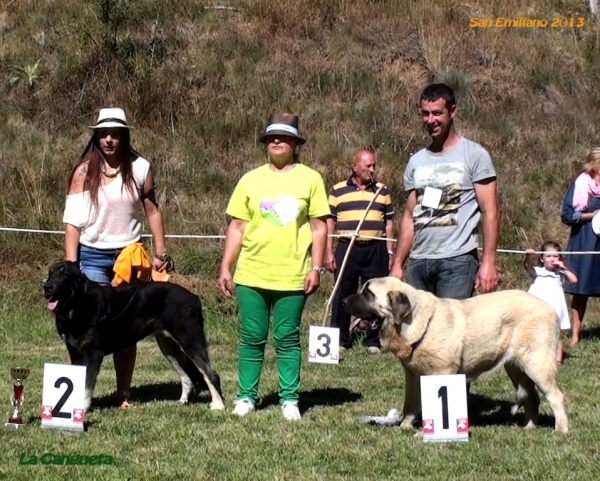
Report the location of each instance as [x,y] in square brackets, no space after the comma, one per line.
[452,277]
[97,264]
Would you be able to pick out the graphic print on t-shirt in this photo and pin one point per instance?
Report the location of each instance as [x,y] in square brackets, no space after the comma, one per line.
[448,178]
[280,211]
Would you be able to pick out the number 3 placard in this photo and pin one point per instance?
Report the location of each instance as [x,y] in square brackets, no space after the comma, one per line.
[444,407]
[63,397]
[324,345]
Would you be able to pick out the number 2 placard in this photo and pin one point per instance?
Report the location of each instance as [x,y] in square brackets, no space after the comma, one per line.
[444,407]
[324,345]
[63,397]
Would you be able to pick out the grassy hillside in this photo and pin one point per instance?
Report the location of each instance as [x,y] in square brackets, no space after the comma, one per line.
[198,83]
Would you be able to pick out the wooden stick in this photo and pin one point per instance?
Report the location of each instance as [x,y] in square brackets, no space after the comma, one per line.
[526,238]
[345,261]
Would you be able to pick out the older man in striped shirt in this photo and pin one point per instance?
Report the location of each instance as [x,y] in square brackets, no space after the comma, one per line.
[369,257]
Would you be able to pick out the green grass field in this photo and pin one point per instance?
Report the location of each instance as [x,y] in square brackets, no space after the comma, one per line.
[197,85]
[159,439]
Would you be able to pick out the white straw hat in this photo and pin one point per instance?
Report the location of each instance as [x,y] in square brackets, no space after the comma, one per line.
[111,118]
[596,224]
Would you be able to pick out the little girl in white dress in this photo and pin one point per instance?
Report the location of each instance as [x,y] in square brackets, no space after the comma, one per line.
[548,279]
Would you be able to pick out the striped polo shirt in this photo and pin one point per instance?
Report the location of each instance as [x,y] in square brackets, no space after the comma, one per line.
[348,203]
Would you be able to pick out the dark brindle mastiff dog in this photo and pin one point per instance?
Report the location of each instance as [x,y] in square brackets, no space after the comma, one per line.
[96,320]
[474,337]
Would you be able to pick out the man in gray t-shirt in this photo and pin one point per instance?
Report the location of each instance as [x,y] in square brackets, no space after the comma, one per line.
[451,186]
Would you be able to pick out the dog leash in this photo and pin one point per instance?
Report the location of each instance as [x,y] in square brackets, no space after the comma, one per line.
[103,318]
[168,262]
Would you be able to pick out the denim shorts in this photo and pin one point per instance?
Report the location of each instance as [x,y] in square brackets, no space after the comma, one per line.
[97,264]
[451,277]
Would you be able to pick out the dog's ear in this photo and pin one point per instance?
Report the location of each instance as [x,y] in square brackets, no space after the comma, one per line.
[83,283]
[72,266]
[399,305]
[78,282]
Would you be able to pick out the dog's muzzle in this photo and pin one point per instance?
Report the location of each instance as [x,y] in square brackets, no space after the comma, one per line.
[51,297]
[361,323]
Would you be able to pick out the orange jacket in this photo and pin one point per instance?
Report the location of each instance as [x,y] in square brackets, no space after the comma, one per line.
[134,264]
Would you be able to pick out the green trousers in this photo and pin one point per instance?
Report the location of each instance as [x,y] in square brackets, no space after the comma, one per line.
[256,307]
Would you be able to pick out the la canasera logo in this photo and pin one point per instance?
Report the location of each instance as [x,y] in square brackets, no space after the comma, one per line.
[525,22]
[64,459]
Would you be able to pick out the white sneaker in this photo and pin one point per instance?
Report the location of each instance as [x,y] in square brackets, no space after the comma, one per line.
[242,407]
[290,410]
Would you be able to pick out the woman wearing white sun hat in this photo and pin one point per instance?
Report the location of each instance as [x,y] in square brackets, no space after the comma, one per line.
[108,188]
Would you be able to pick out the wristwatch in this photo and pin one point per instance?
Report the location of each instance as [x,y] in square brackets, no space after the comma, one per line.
[320,269]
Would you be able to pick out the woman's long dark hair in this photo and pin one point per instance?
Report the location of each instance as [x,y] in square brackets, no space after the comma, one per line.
[93,153]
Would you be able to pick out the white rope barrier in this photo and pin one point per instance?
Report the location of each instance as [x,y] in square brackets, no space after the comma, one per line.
[171,236]
[32,231]
[351,236]
[189,236]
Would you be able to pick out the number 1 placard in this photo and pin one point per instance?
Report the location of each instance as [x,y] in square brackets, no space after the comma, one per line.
[63,397]
[324,345]
[444,407]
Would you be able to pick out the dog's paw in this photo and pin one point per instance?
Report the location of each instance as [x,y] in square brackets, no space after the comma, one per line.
[561,428]
[183,401]
[406,425]
[418,434]
[217,406]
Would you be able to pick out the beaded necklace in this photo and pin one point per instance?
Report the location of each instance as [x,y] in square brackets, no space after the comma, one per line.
[112,173]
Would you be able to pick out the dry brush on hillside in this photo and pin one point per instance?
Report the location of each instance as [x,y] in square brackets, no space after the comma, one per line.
[199,82]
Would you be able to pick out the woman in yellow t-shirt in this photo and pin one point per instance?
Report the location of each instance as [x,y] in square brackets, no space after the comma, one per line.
[277,234]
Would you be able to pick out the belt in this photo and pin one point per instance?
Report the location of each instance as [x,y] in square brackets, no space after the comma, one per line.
[346,240]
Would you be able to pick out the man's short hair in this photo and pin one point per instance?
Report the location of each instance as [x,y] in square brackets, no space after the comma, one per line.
[439,91]
[367,148]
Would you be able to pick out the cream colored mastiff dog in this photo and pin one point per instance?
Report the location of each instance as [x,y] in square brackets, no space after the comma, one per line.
[472,337]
